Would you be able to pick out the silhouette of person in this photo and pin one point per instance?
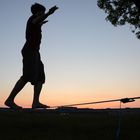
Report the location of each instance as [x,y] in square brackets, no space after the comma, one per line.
[33,68]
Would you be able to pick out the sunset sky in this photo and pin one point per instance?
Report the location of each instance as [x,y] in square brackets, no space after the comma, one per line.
[86,58]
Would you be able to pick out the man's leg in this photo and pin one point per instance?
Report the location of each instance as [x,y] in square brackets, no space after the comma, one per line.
[17,88]
[36,103]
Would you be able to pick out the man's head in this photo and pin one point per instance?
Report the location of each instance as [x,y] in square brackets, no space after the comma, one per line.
[36,8]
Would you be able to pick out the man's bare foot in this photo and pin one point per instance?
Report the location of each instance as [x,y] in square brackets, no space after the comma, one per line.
[12,105]
[39,105]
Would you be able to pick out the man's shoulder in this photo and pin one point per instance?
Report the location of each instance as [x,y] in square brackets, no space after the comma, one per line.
[30,19]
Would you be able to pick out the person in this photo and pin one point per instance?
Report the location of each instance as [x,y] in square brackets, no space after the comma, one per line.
[33,68]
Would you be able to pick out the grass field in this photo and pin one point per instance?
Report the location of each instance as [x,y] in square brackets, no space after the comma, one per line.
[53,125]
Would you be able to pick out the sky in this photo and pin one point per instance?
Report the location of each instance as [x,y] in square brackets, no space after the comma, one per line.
[85,58]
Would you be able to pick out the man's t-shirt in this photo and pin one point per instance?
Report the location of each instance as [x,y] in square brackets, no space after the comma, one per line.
[33,34]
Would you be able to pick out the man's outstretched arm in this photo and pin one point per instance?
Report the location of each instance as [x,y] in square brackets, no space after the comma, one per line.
[41,17]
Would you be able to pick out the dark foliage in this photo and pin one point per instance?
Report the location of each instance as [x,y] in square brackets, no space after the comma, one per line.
[121,12]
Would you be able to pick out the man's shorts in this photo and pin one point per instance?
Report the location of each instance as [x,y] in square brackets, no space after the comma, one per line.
[33,68]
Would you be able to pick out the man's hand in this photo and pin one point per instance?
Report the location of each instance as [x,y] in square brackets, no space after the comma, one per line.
[52,10]
[45,21]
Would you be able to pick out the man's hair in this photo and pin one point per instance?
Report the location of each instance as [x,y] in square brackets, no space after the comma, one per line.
[37,8]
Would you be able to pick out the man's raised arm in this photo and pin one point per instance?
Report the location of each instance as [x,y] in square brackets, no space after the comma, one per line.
[41,17]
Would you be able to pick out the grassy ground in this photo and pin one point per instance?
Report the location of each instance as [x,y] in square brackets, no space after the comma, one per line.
[42,125]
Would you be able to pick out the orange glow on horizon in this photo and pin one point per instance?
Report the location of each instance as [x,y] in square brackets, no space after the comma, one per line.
[75,96]
[135,104]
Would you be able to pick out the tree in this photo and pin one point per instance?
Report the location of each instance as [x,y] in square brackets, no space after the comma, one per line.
[121,12]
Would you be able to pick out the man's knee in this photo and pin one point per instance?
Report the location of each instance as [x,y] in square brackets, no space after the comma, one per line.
[23,80]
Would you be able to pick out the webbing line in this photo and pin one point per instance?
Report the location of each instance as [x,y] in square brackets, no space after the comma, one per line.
[123,100]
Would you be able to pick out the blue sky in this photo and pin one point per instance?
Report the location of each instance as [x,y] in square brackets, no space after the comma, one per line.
[85,57]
